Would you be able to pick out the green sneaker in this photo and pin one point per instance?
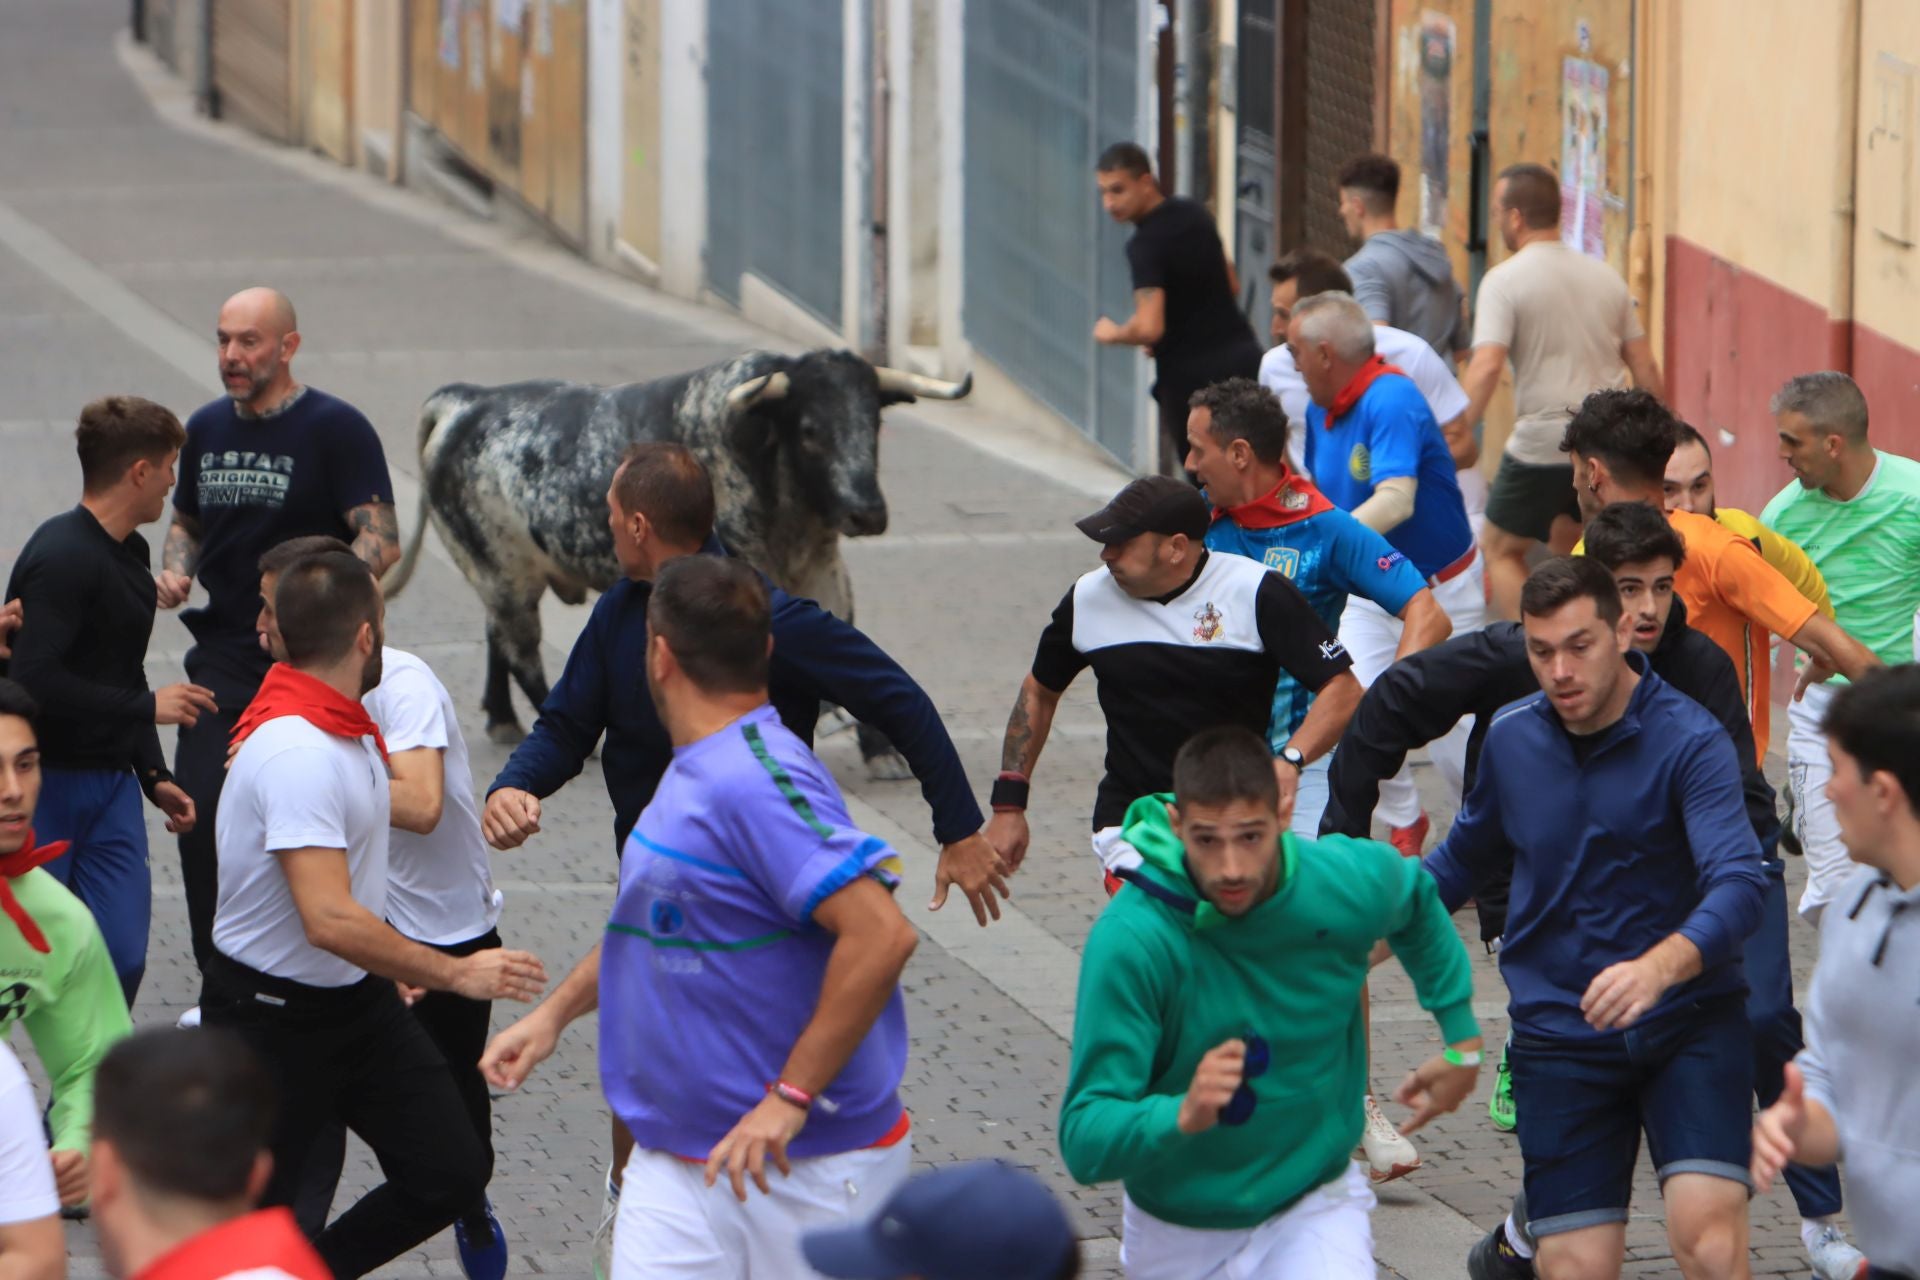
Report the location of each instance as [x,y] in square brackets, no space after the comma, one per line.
[1500,1107]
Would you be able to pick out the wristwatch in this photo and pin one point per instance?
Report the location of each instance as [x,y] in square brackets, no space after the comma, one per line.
[1293,757]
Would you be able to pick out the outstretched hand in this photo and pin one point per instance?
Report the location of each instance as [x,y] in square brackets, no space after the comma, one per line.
[977,867]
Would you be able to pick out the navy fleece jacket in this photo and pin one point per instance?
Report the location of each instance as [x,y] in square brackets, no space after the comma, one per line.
[1647,838]
[816,658]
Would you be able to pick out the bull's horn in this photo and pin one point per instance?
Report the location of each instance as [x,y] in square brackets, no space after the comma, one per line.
[918,384]
[768,386]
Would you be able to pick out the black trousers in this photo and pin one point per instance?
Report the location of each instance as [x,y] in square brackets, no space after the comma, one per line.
[458,1027]
[200,769]
[354,1057]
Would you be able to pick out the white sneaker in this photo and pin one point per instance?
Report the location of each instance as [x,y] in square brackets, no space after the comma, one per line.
[1833,1258]
[189,1019]
[603,1234]
[1389,1154]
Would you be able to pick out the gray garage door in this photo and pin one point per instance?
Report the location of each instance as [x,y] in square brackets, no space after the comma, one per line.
[1049,83]
[774,133]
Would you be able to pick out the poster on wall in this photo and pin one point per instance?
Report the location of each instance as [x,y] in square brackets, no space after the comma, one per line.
[450,34]
[1583,155]
[1436,108]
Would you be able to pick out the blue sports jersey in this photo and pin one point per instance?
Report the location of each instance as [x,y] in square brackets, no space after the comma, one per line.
[1391,432]
[1328,556]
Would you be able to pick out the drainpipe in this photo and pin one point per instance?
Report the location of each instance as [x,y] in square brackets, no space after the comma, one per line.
[879,132]
[1845,172]
[1186,67]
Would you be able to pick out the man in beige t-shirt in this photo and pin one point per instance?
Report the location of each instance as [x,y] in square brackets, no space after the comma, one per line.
[1567,322]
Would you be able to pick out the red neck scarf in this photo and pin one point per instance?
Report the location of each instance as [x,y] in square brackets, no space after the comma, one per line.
[1292,500]
[1350,394]
[286,692]
[18,863]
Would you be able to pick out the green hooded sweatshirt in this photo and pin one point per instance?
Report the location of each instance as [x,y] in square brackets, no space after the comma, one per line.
[1166,977]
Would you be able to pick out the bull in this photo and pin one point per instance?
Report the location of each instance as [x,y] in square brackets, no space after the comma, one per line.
[514,478]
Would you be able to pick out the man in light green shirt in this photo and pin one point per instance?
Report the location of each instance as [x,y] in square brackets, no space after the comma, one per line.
[56,978]
[1856,512]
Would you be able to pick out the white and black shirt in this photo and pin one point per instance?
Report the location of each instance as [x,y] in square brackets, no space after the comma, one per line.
[1205,655]
[295,786]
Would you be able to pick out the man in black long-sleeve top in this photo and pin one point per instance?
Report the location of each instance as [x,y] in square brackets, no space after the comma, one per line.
[1422,696]
[86,586]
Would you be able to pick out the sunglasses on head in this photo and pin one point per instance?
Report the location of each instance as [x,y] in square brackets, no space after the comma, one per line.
[1239,1108]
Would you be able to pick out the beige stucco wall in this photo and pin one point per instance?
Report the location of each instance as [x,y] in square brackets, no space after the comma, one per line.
[1886,274]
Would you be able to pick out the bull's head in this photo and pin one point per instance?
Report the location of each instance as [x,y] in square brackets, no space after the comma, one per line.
[827,406]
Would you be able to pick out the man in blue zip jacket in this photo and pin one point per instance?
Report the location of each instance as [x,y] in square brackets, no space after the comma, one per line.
[1637,878]
[660,506]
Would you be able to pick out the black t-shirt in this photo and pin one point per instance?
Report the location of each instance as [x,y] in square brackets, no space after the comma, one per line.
[1209,654]
[1177,249]
[252,483]
[82,652]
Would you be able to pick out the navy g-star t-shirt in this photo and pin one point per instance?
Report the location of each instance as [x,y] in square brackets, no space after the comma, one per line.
[252,483]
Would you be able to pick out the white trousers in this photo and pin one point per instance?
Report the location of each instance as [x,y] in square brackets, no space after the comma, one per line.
[672,1226]
[1328,1235]
[1372,636]
[1808,770]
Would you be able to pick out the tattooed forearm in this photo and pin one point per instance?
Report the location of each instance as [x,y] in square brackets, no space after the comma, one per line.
[181,552]
[1027,727]
[376,534]
[1013,752]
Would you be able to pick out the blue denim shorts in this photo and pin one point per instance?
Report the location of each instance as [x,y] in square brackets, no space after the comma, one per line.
[1686,1079]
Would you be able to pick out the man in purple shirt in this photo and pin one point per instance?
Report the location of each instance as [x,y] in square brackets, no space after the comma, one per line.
[751,969]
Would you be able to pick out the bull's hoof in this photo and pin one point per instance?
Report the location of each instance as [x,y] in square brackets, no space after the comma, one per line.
[888,766]
[506,733]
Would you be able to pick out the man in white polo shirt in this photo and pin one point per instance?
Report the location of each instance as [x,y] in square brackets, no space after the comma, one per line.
[304,966]
[31,1242]
[439,874]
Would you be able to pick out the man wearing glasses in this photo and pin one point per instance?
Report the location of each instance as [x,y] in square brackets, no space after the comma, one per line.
[1220,990]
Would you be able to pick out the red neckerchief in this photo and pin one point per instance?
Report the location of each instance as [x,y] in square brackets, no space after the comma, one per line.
[266,1238]
[286,692]
[1294,499]
[18,863]
[1350,394]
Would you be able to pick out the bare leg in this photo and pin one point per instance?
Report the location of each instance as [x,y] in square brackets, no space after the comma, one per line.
[1707,1226]
[1591,1253]
[1506,570]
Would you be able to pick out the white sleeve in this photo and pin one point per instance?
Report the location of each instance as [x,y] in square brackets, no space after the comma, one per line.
[26,1171]
[300,794]
[407,708]
[1443,392]
[1278,375]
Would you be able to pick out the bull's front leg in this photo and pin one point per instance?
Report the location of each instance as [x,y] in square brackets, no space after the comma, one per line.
[503,726]
[833,589]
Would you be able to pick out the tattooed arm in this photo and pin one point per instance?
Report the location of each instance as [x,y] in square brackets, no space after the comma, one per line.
[1027,728]
[376,535]
[179,558]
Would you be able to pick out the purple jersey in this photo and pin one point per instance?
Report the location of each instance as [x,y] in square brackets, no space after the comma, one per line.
[712,963]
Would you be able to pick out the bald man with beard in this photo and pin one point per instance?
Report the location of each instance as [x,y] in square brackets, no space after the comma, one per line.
[268,461]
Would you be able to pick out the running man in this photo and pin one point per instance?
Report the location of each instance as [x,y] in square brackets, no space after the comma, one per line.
[750,970]
[1219,1056]
[1856,510]
[1375,449]
[56,977]
[1237,446]
[32,1243]
[1689,487]
[1850,1095]
[1180,639]
[1636,881]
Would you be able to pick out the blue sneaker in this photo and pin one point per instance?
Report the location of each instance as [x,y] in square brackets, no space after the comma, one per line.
[482,1244]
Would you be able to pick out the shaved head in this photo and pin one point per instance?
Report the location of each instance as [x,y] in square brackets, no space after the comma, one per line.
[257,338]
[265,308]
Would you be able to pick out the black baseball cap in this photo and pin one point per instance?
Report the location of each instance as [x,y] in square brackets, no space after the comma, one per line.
[1151,504]
[960,1223]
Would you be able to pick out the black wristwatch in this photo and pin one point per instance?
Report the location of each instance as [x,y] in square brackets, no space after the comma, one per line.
[1293,757]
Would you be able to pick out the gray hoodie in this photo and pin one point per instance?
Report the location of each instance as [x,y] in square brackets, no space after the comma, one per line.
[1863,1039]
[1404,279]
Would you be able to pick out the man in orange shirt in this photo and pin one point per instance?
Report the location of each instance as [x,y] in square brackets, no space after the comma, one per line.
[1620,442]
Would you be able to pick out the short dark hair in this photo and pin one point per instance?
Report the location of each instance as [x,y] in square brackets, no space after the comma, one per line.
[1876,720]
[716,616]
[1686,433]
[1223,764]
[1316,272]
[117,431]
[1375,177]
[16,701]
[276,558]
[1629,430]
[1559,581]
[1124,157]
[1633,532]
[188,1111]
[1534,190]
[321,601]
[1242,409]
[668,485]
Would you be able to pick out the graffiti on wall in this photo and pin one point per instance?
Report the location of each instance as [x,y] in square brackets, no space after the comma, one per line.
[1583,155]
[1436,107]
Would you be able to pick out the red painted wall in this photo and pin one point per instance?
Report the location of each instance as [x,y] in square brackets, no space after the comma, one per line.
[1734,336]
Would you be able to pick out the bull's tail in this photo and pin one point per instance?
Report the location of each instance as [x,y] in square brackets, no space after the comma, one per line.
[397,577]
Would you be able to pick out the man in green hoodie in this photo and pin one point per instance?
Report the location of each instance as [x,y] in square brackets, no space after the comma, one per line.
[1218,1051]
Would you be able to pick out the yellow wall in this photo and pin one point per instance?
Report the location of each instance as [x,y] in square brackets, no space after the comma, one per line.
[1886,273]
